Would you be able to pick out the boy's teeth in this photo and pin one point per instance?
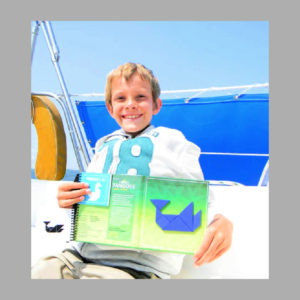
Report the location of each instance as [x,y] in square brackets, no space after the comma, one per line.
[131,117]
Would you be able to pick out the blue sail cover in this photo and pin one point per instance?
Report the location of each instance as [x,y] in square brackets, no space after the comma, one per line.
[232,133]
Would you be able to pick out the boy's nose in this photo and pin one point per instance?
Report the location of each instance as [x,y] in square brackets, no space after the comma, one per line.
[130,103]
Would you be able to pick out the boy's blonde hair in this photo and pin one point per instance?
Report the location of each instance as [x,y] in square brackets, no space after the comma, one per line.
[126,71]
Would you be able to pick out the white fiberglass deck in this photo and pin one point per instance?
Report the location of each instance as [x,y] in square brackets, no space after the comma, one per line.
[246,206]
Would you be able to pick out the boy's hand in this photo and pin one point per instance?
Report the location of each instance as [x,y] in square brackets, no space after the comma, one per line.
[70,193]
[217,240]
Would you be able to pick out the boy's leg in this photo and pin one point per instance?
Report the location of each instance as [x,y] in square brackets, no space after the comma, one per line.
[50,267]
[69,265]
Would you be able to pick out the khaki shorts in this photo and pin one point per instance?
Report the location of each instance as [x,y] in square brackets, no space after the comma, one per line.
[69,265]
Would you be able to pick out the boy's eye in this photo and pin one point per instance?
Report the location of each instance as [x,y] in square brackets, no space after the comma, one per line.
[120,98]
[140,96]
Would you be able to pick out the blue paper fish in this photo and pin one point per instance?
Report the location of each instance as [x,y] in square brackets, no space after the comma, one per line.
[185,221]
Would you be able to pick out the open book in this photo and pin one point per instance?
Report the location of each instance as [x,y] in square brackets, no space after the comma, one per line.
[153,213]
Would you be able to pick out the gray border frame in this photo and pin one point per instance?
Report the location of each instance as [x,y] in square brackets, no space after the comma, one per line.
[15,121]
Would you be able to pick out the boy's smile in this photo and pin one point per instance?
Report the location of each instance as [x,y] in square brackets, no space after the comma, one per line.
[132,104]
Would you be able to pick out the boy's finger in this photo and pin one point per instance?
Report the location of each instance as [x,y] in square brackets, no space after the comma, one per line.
[77,193]
[208,237]
[218,254]
[209,253]
[69,195]
[67,186]
[69,202]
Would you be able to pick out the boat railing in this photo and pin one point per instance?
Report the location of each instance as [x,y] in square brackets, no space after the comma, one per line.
[65,98]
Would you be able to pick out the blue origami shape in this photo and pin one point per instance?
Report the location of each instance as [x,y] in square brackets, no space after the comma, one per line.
[185,221]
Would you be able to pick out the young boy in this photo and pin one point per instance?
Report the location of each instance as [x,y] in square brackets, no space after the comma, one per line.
[138,148]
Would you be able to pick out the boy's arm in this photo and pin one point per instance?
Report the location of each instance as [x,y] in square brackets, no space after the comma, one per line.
[217,240]
[218,236]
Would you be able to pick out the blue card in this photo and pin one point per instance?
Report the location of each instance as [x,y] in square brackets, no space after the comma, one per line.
[99,186]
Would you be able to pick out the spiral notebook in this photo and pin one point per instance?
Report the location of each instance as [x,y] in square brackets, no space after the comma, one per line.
[154,213]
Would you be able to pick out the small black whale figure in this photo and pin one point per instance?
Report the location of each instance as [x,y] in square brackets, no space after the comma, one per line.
[56,228]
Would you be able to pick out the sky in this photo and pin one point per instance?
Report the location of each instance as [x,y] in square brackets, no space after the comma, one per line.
[182,55]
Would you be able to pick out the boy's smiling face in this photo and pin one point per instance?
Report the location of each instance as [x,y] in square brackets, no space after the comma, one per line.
[132,104]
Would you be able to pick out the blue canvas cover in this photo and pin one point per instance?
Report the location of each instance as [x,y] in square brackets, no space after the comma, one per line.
[222,124]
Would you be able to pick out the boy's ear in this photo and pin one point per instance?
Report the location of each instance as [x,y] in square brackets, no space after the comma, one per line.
[157,107]
[109,108]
